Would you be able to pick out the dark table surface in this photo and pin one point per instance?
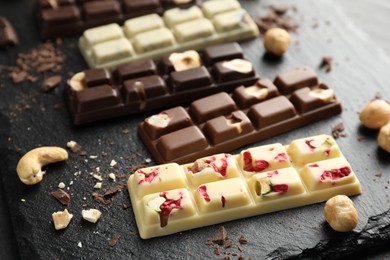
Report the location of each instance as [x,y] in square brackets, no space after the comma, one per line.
[368,32]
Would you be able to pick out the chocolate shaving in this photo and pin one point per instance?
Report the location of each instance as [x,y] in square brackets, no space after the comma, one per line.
[220,236]
[100,199]
[217,251]
[242,240]
[276,18]
[83,153]
[125,131]
[114,239]
[61,196]
[51,83]
[338,131]
[326,63]
[227,243]
[111,192]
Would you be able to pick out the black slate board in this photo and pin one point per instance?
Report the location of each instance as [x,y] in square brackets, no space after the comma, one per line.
[359,73]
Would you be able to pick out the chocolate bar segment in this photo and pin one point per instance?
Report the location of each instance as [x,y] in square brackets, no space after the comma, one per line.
[152,36]
[79,15]
[251,114]
[222,52]
[171,198]
[292,80]
[97,98]
[145,85]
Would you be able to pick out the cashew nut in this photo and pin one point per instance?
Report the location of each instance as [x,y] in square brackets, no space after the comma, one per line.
[29,167]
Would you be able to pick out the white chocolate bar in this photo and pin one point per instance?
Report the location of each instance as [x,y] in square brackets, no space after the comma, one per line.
[152,36]
[170,198]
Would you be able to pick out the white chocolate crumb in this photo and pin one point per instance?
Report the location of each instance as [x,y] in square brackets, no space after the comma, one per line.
[70,183]
[98,185]
[71,144]
[98,169]
[61,219]
[91,215]
[148,160]
[84,198]
[98,177]
[112,176]
[61,185]
[80,245]
[113,163]
[93,156]
[23,200]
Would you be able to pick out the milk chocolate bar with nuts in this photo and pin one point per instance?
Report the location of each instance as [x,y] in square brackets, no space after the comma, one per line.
[61,18]
[171,198]
[144,85]
[223,122]
[153,36]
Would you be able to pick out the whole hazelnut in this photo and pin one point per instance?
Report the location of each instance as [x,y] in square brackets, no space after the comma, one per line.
[340,213]
[276,41]
[375,114]
[384,138]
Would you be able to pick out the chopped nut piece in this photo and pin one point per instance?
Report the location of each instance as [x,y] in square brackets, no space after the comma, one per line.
[113,163]
[79,244]
[98,185]
[186,60]
[112,176]
[98,177]
[71,144]
[239,65]
[259,93]
[276,41]
[91,215]
[263,186]
[199,165]
[61,185]
[325,95]
[77,82]
[61,219]
[160,120]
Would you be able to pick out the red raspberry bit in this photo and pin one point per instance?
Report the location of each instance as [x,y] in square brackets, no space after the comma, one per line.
[203,191]
[167,207]
[248,162]
[282,157]
[327,152]
[335,174]
[313,165]
[270,174]
[308,143]
[281,188]
[149,177]
[223,200]
[261,165]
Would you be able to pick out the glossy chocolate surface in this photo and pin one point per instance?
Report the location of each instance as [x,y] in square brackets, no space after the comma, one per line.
[145,85]
[226,122]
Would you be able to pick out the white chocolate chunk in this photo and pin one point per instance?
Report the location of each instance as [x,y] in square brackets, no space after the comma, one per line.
[98,186]
[103,34]
[259,93]
[61,219]
[112,176]
[77,83]
[159,120]
[211,8]
[311,149]
[155,39]
[263,158]
[221,195]
[91,215]
[71,144]
[230,21]
[141,24]
[176,16]
[156,179]
[98,177]
[211,168]
[192,30]
[325,95]
[61,185]
[185,60]
[239,65]
[113,163]
[112,50]
[327,174]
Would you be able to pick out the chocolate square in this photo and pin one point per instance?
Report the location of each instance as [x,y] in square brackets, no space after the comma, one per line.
[46,3]
[101,9]
[181,142]
[215,105]
[304,102]
[179,119]
[97,77]
[271,111]
[228,51]
[189,79]
[96,98]
[221,129]
[63,14]
[291,80]
[140,7]
[222,74]
[136,69]
[152,86]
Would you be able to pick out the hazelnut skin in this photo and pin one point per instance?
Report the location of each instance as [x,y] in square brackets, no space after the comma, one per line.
[375,114]
[341,214]
[276,41]
[384,138]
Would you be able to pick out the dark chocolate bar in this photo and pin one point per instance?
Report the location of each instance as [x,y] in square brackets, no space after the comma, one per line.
[222,122]
[59,18]
[144,85]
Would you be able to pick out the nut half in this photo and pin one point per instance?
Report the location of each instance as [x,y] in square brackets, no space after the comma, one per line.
[185,60]
[29,167]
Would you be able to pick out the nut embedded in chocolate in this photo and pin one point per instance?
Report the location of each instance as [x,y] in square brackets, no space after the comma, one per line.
[8,35]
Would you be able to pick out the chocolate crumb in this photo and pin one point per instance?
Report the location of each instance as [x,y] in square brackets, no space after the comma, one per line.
[114,239]
[61,196]
[209,243]
[326,63]
[51,83]
[276,18]
[220,236]
[234,254]
[227,243]
[217,251]
[100,199]
[241,257]
[8,34]
[240,248]
[243,240]
[279,9]
[76,148]
[113,191]
[379,174]
[83,153]
[126,206]
[226,258]
[125,131]
[338,130]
